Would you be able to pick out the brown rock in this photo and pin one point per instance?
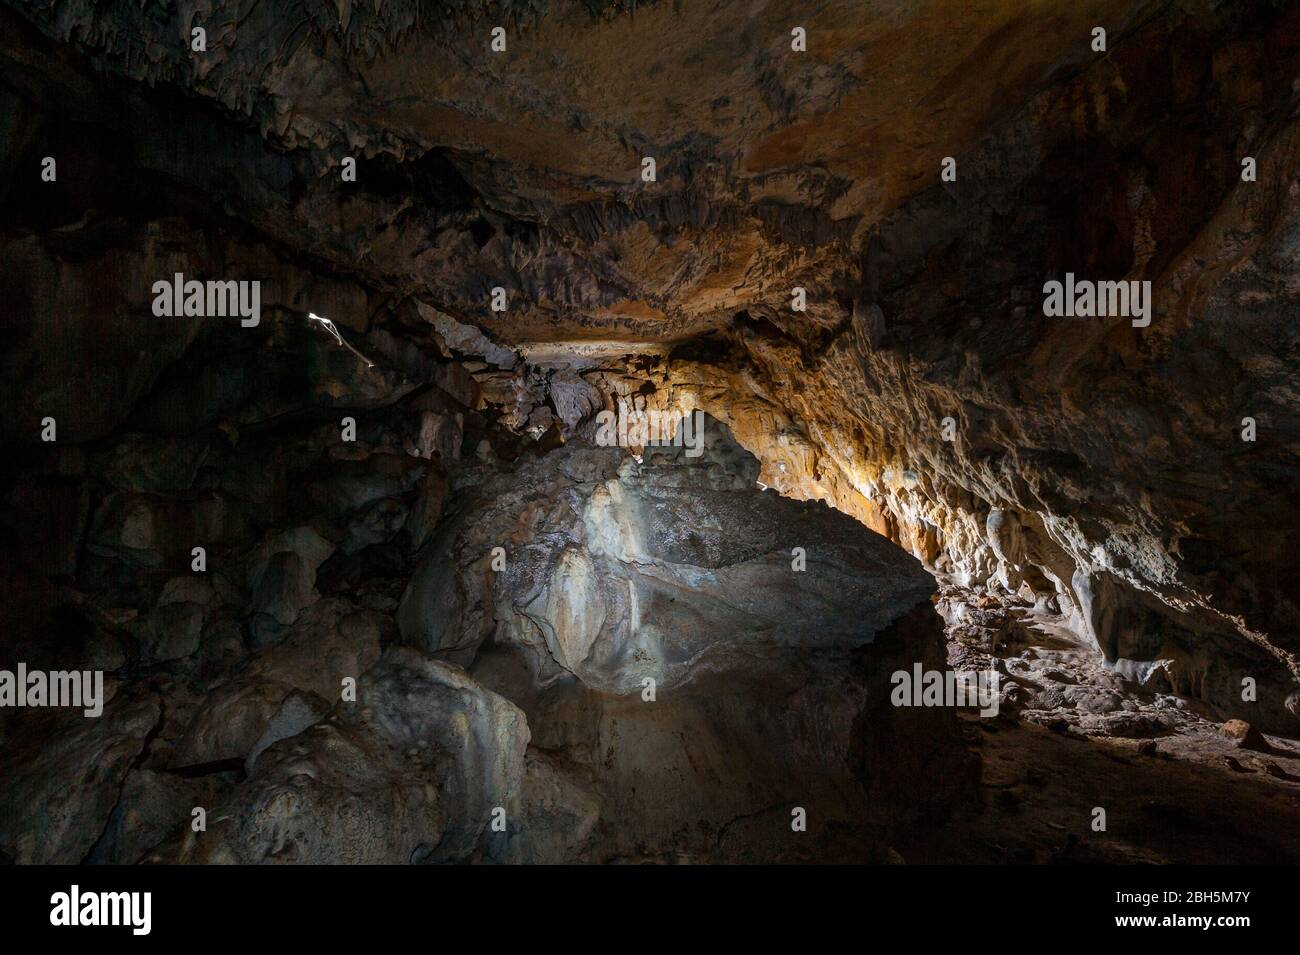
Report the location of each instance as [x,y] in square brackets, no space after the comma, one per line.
[1243,735]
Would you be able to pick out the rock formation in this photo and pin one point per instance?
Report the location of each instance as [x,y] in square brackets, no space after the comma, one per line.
[232,521]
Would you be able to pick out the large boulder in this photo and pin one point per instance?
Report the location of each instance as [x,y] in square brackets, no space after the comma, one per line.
[63,776]
[413,770]
[698,659]
[619,572]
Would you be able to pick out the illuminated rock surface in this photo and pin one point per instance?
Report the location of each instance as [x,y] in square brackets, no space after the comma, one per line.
[1079,490]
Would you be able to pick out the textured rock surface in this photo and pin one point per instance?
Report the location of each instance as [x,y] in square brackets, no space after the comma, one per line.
[677,671]
[616,571]
[410,772]
[1081,475]
[1112,451]
[62,782]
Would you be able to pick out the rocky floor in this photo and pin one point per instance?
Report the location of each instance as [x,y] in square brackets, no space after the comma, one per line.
[1073,736]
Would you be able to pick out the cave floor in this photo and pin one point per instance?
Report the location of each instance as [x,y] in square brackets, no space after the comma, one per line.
[1180,804]
[1174,788]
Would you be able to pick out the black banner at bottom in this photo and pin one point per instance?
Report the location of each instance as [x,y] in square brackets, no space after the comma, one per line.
[341,904]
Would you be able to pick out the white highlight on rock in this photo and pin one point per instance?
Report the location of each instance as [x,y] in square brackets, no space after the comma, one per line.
[333,330]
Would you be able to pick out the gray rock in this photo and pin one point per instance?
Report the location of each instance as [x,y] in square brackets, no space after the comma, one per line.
[171,632]
[60,788]
[297,712]
[329,642]
[286,587]
[153,805]
[636,577]
[410,772]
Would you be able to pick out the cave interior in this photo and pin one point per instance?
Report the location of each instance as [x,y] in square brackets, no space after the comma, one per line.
[562,432]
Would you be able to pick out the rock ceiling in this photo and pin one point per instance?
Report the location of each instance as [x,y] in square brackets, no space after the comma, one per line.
[1089,465]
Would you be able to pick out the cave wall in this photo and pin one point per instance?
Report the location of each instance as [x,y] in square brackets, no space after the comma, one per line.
[1096,466]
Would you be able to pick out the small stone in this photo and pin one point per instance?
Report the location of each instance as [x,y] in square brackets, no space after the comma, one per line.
[1243,735]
